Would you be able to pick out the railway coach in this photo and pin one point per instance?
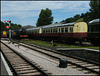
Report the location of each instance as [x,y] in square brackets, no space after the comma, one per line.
[68,32]
[94,31]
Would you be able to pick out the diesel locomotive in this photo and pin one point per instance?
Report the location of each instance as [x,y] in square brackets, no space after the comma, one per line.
[94,31]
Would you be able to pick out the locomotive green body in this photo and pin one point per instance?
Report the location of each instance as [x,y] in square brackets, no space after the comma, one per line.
[93,31]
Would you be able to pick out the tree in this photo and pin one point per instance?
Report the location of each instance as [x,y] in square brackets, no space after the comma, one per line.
[55,22]
[76,17]
[82,15]
[87,17]
[94,4]
[28,27]
[94,11]
[45,17]
[71,19]
[13,26]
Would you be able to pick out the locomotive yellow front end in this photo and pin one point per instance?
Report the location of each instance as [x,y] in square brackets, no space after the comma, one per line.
[80,30]
[4,34]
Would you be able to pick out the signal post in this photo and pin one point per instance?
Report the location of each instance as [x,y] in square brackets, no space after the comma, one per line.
[9,28]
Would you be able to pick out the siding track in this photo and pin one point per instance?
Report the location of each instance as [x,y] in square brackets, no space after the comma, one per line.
[19,64]
[84,65]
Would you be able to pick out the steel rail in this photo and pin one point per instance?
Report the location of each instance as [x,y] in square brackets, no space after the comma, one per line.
[45,74]
[59,58]
[13,69]
[60,53]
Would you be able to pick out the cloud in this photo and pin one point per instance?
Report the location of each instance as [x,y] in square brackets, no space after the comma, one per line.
[27,9]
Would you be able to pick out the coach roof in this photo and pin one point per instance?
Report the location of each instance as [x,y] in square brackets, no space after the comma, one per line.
[53,25]
[94,21]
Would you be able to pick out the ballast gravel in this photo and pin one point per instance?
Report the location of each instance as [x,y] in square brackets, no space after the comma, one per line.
[46,62]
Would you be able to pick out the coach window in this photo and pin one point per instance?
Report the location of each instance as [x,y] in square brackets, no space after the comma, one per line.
[37,31]
[59,30]
[30,32]
[71,29]
[43,30]
[51,30]
[62,30]
[55,30]
[47,30]
[66,29]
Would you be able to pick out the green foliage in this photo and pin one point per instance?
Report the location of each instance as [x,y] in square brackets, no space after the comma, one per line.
[45,17]
[88,16]
[94,11]
[72,19]
[95,8]
[79,20]
[48,44]
[55,22]
[13,26]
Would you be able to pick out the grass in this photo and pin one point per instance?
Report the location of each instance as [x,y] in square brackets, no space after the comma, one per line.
[47,43]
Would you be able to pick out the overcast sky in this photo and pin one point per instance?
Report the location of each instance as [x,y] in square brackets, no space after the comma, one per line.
[27,12]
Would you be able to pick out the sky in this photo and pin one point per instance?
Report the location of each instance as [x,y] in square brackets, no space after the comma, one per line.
[27,12]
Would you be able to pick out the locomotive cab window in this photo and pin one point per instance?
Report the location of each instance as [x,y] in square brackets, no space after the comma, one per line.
[94,28]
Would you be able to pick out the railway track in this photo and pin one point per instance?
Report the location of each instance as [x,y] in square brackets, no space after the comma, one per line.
[91,67]
[21,65]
